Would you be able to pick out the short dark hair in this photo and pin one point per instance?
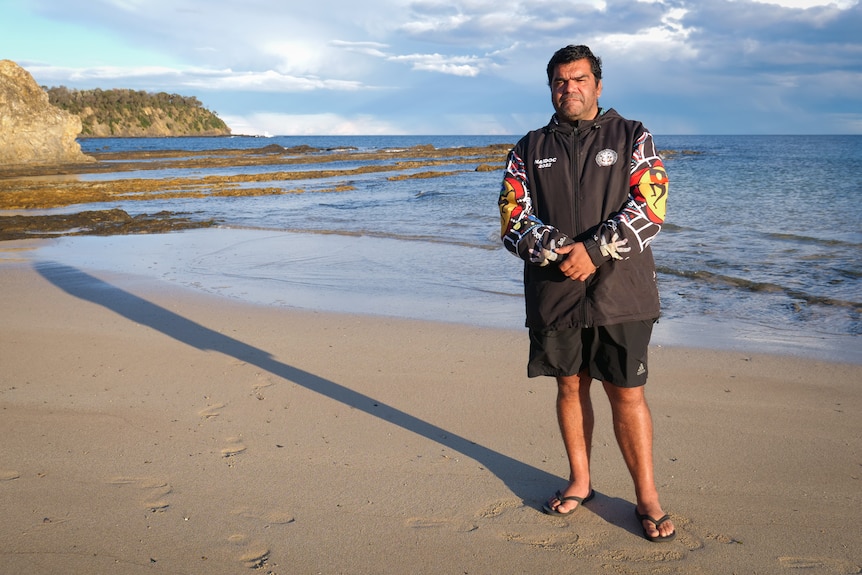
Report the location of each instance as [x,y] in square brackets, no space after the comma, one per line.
[572,53]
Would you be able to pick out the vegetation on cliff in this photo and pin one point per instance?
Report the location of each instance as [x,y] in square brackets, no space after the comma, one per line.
[130,113]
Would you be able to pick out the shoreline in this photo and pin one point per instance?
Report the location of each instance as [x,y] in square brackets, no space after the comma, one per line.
[306,271]
[152,427]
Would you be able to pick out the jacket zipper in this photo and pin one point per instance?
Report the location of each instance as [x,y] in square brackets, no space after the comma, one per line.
[576,179]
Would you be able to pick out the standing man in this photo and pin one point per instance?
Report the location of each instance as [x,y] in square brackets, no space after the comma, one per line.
[582,199]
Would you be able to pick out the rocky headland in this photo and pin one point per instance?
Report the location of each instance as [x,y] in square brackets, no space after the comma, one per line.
[32,131]
[123,113]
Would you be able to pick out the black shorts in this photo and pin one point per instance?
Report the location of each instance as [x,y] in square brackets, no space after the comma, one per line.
[613,353]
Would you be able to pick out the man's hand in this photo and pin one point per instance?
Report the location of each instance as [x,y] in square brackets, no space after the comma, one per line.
[577,264]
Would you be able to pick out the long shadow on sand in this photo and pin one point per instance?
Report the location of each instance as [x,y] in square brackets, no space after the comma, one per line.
[525,481]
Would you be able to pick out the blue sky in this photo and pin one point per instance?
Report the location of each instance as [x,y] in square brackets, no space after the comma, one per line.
[457,66]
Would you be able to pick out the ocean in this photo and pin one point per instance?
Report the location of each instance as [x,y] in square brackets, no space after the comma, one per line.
[760,251]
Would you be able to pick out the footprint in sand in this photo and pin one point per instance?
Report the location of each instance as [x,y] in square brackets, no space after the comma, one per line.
[818,564]
[255,554]
[498,508]
[257,388]
[592,543]
[435,523]
[154,491]
[504,512]
[211,411]
[268,517]
[235,446]
[566,543]
[522,524]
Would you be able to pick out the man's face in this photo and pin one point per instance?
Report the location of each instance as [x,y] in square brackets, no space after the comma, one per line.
[575,92]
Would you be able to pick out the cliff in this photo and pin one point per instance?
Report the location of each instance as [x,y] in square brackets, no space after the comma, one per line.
[130,113]
[32,131]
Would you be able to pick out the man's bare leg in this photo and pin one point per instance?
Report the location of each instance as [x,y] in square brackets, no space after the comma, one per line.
[575,416]
[634,432]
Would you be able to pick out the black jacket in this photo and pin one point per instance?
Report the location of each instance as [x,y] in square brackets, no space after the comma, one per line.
[600,182]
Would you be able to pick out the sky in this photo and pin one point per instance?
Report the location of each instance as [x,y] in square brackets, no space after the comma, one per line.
[472,67]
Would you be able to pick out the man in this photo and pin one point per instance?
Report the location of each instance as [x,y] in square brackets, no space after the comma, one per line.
[582,199]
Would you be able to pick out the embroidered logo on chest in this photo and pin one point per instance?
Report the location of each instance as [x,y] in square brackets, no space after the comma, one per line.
[606,157]
[544,162]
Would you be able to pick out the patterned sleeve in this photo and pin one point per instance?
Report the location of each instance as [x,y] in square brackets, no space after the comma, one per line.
[522,232]
[630,231]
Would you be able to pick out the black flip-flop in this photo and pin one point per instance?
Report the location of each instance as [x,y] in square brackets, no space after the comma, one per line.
[559,497]
[641,517]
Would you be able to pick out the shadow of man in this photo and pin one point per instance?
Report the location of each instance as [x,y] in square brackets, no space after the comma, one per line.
[525,481]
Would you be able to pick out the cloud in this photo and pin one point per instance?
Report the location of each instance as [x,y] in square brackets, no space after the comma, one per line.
[375,49]
[664,38]
[265,123]
[282,124]
[162,78]
[269,81]
[111,73]
[455,65]
[804,4]
[708,66]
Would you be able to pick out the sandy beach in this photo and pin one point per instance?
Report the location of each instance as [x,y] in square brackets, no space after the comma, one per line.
[151,429]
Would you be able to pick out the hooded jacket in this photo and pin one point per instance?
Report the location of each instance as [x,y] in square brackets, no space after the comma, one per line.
[599,182]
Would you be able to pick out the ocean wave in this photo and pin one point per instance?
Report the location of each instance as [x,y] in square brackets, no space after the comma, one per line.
[373,234]
[783,236]
[760,287]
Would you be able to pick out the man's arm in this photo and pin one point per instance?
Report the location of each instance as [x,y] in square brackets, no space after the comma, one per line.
[628,232]
[522,232]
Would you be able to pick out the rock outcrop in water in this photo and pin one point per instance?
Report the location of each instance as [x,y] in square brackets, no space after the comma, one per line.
[32,131]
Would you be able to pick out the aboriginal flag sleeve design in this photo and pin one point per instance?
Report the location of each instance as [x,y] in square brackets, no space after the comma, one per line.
[632,229]
[522,232]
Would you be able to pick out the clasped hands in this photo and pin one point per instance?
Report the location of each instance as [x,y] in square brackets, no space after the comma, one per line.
[576,264]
